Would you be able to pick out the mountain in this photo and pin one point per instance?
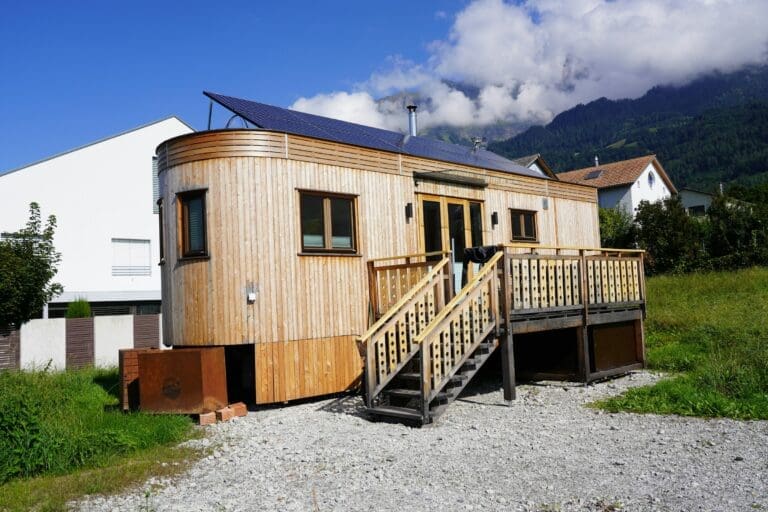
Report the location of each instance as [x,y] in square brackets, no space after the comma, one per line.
[714,129]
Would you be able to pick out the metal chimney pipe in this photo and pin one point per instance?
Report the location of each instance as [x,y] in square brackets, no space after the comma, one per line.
[597,162]
[412,128]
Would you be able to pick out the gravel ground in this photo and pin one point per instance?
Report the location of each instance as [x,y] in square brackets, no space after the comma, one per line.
[545,452]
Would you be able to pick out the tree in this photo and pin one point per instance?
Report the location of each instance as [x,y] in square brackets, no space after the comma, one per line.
[672,239]
[617,229]
[28,263]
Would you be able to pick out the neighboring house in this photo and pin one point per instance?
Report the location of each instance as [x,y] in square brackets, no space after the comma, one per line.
[284,242]
[536,163]
[695,202]
[625,183]
[104,198]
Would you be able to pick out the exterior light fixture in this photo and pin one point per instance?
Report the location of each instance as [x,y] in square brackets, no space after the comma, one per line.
[494,219]
[408,211]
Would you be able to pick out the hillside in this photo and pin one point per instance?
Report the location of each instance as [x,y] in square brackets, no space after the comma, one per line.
[712,130]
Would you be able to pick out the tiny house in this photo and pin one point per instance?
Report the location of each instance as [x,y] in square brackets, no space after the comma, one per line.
[322,255]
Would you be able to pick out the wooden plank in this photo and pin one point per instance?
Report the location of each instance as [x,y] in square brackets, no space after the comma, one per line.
[560,283]
[551,278]
[535,301]
[526,288]
[567,283]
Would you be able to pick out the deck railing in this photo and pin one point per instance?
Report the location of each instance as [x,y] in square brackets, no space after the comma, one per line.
[459,328]
[549,279]
[390,279]
[390,341]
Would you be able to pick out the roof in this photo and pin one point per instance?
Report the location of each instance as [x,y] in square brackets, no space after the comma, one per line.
[616,174]
[527,161]
[126,132]
[269,117]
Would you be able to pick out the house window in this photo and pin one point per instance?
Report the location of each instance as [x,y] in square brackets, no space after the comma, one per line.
[327,223]
[161,240]
[192,231]
[651,179]
[523,226]
[131,257]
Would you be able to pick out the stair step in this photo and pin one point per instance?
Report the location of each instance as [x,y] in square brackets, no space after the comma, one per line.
[396,412]
[410,393]
[410,376]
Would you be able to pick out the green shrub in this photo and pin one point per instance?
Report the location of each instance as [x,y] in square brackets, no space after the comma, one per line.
[79,308]
[53,422]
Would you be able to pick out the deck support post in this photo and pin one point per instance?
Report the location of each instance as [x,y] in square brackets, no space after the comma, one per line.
[582,349]
[508,367]
[507,342]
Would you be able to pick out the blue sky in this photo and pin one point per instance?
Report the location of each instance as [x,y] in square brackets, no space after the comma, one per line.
[78,71]
[75,72]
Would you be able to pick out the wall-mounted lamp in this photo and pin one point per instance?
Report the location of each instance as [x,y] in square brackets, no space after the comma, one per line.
[494,219]
[408,212]
[545,203]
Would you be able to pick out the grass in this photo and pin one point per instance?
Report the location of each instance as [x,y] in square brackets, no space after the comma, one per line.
[710,330]
[64,429]
[52,493]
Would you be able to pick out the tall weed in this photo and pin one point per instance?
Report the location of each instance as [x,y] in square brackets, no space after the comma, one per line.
[53,422]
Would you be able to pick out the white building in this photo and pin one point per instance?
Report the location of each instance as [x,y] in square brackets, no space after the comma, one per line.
[625,183]
[103,196]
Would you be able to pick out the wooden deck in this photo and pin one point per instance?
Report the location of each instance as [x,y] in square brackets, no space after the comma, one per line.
[584,306]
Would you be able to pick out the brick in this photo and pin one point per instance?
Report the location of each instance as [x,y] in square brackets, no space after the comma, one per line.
[239,409]
[225,414]
[206,418]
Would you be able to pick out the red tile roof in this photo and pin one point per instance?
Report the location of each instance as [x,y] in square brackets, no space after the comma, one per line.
[616,174]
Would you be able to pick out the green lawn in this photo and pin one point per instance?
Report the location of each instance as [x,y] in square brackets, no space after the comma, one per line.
[56,426]
[710,331]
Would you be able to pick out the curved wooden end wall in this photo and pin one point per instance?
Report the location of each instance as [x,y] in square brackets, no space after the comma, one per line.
[308,309]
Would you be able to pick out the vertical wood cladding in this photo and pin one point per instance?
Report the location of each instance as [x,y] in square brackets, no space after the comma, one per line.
[79,342]
[309,308]
[146,331]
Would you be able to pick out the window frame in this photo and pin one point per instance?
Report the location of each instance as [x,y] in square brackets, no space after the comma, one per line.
[182,199]
[525,237]
[328,248]
[161,232]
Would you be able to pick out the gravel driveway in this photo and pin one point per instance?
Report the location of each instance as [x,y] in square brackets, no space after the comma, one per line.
[545,452]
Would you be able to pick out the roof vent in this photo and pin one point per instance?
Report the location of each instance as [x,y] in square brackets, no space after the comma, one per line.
[597,162]
[412,128]
[478,143]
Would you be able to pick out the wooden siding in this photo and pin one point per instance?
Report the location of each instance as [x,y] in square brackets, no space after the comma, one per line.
[252,179]
[79,342]
[10,354]
[289,370]
[146,331]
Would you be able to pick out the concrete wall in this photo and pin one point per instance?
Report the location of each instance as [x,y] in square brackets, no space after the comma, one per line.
[111,333]
[98,193]
[43,342]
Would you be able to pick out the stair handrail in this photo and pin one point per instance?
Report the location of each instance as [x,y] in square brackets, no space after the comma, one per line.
[387,321]
[488,271]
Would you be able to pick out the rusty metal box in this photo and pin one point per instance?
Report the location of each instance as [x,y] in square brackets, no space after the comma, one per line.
[187,381]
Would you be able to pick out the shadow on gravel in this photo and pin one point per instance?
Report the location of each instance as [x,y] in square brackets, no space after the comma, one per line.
[351,405]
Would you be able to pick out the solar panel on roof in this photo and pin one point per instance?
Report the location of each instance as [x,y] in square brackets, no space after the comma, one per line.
[593,174]
[279,119]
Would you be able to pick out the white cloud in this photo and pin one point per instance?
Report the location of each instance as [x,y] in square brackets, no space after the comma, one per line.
[533,59]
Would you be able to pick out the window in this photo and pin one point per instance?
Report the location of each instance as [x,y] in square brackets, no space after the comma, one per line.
[327,223]
[192,230]
[651,179]
[131,257]
[523,226]
[155,187]
[160,239]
